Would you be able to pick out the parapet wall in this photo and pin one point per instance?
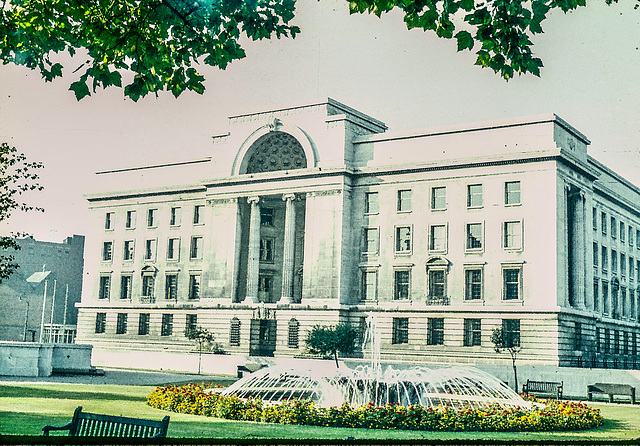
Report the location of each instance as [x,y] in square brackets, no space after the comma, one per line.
[33,359]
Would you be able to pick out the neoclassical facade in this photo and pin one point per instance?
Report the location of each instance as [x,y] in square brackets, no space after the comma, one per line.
[315,214]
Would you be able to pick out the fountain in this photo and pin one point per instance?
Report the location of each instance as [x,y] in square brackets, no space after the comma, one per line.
[373,383]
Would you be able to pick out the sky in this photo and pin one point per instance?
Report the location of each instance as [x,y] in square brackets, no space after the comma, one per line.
[408,79]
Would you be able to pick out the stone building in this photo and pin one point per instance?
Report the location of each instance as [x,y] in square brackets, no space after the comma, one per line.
[21,301]
[314,214]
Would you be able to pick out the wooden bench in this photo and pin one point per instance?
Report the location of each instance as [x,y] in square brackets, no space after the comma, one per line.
[543,387]
[612,389]
[85,424]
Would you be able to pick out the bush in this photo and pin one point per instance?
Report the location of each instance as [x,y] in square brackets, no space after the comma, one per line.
[552,415]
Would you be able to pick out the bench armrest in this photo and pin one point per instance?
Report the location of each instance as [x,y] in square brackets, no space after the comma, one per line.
[46,429]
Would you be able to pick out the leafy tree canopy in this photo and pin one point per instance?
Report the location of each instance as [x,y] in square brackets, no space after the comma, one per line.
[17,176]
[328,341]
[159,42]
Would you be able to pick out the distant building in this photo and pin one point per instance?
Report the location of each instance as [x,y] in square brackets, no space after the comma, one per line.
[313,214]
[21,302]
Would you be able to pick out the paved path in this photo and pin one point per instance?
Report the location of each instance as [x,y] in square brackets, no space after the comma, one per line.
[120,376]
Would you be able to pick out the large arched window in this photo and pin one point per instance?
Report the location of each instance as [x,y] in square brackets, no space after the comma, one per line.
[275,151]
[234,333]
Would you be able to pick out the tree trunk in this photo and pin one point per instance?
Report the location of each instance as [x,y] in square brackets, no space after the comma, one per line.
[335,355]
[515,371]
[199,357]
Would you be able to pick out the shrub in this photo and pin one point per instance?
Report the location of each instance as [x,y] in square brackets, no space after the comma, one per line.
[551,415]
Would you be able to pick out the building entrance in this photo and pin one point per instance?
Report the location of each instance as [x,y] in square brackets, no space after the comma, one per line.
[262,338]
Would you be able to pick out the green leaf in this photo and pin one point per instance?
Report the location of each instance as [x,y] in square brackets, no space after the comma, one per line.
[465,40]
[80,88]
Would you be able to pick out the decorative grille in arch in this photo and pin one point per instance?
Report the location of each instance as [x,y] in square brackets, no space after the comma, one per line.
[276,151]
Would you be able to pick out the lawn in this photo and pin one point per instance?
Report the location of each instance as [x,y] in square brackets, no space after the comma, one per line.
[25,408]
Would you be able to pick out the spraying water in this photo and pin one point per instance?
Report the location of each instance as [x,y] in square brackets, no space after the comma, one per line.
[374,383]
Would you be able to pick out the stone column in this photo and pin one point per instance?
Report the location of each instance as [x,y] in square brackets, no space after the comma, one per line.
[253,263]
[579,250]
[289,247]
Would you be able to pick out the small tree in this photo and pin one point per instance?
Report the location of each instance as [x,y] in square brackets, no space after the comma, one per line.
[204,339]
[328,341]
[507,341]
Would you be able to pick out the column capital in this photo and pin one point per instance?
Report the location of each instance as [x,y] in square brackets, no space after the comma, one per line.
[286,197]
[253,200]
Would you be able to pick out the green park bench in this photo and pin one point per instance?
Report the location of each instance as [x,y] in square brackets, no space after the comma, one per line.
[611,390]
[543,387]
[85,424]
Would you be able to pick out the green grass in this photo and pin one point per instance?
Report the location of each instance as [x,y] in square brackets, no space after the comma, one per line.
[25,408]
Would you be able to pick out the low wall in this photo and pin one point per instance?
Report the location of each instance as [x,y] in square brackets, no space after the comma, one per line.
[33,359]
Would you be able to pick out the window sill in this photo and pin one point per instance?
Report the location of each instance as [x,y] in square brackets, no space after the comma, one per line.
[404,212]
[512,205]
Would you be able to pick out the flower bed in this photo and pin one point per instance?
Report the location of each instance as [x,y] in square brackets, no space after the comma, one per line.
[551,416]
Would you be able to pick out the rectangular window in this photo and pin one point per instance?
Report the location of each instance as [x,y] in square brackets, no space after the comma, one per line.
[605,259]
[194,286]
[596,254]
[101,322]
[371,205]
[605,297]
[607,340]
[472,332]
[175,216]
[438,238]
[129,250]
[369,286]
[371,240]
[474,236]
[623,264]
[404,200]
[167,325]
[400,333]
[148,286]
[191,322]
[631,265]
[143,324]
[108,220]
[403,239]
[173,249]
[614,228]
[107,251]
[198,214]
[436,283]
[625,343]
[401,284]
[266,217]
[152,218]
[438,198]
[266,250]
[150,249]
[595,219]
[511,283]
[596,295]
[614,261]
[511,331]
[577,336]
[130,221]
[474,196]
[473,284]
[623,232]
[121,323]
[171,286]
[435,331]
[638,271]
[598,346]
[105,287]
[630,236]
[616,342]
[638,238]
[513,235]
[634,344]
[125,286]
[512,192]
[196,247]
[265,288]
[603,222]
